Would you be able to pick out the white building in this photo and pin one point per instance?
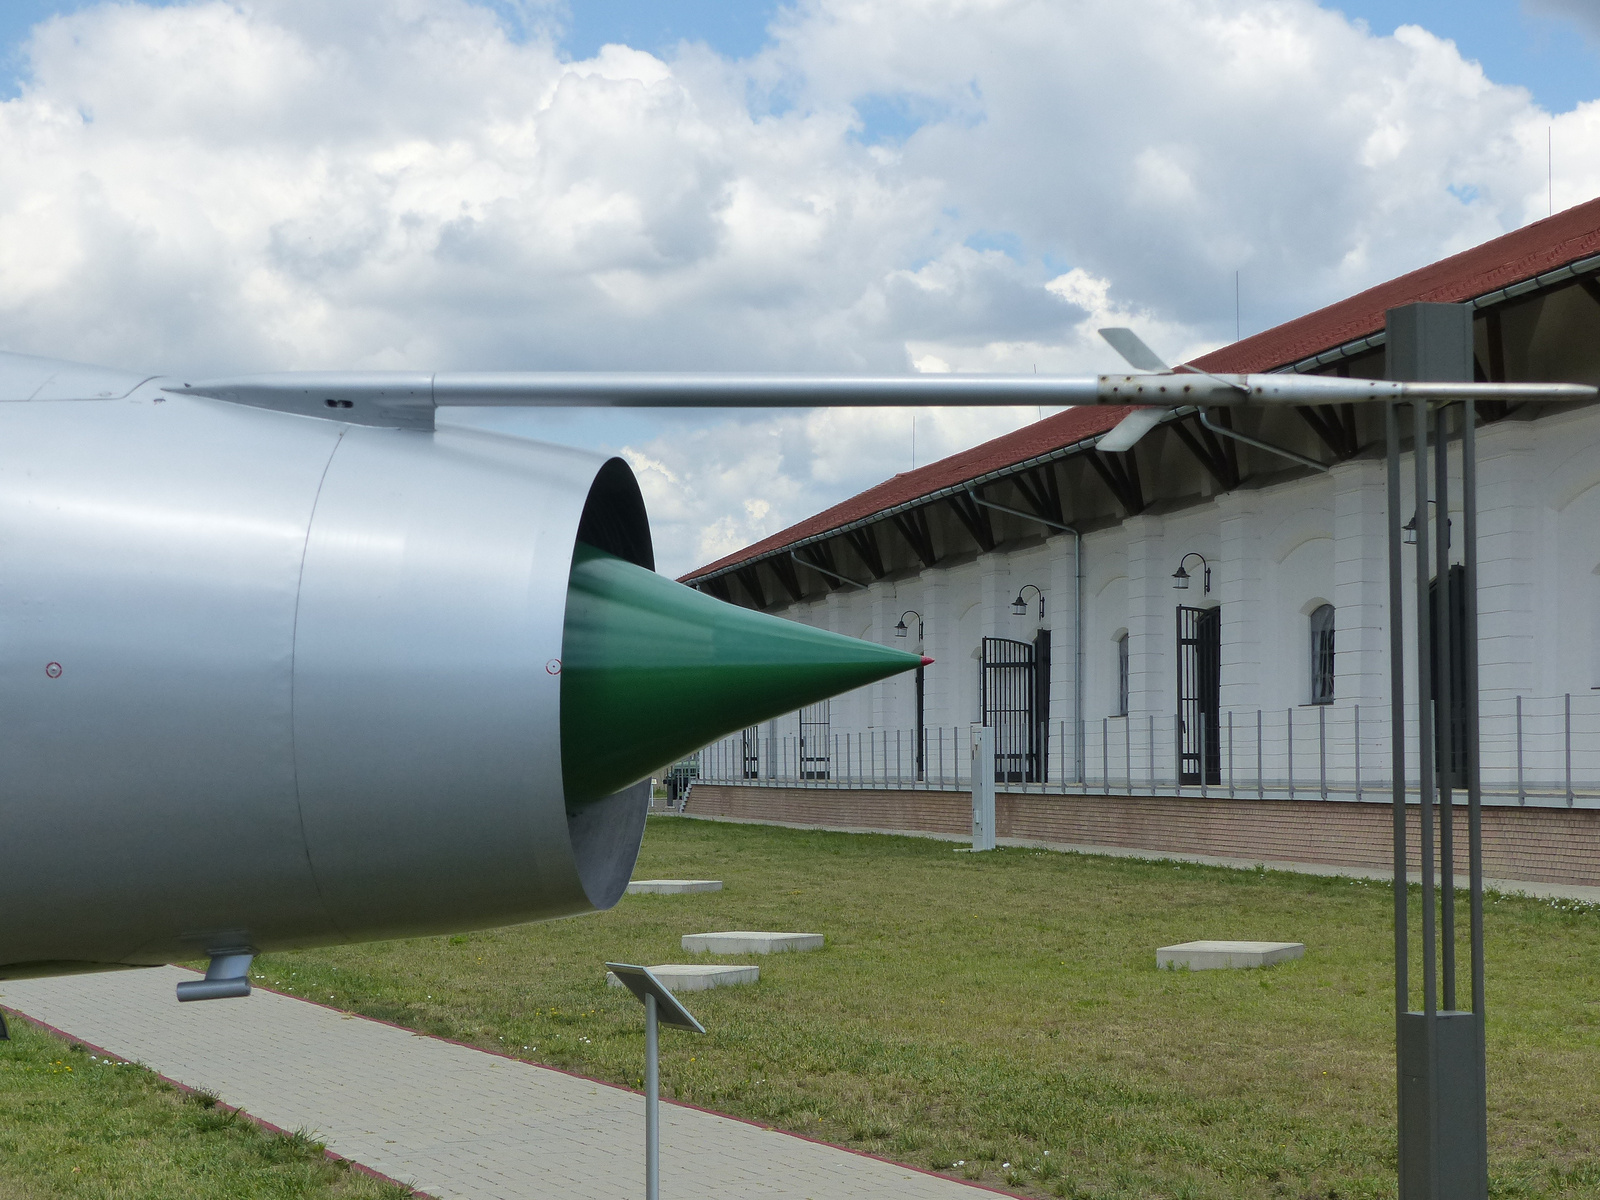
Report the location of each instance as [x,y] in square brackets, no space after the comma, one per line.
[1290,539]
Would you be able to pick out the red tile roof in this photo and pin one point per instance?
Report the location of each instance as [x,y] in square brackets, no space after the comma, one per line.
[1532,250]
[1052,433]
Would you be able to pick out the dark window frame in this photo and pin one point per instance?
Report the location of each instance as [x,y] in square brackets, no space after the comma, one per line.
[1122,674]
[1323,627]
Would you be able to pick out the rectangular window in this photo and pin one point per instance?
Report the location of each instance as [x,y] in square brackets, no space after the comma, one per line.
[1322,655]
[1122,677]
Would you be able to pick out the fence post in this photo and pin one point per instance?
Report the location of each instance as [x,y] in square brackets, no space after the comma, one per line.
[1567,723]
[1261,776]
[1288,724]
[1358,753]
[1322,747]
[1205,760]
[1105,761]
[1177,754]
[1230,754]
[1522,790]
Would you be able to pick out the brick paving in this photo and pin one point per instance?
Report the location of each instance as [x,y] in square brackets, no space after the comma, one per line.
[450,1120]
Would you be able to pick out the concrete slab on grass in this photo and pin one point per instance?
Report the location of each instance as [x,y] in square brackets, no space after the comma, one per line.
[696,977]
[744,941]
[1210,956]
[672,887]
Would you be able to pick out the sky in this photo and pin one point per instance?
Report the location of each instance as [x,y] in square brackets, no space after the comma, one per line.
[220,186]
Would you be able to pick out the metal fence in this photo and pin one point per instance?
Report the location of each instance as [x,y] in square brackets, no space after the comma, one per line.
[1542,751]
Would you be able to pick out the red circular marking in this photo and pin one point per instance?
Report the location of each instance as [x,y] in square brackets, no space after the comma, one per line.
[53,670]
[553,666]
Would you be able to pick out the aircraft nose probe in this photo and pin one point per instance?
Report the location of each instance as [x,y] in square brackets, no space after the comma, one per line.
[652,670]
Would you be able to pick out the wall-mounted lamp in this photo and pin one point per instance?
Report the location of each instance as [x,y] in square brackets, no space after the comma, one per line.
[1180,577]
[1020,606]
[1409,529]
[901,631]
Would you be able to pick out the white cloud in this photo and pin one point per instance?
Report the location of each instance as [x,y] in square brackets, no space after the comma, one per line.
[285,183]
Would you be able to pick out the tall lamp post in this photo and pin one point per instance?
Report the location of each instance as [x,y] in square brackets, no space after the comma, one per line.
[901,631]
[1440,1055]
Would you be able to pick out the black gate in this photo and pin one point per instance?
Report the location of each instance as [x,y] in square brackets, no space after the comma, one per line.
[1041,701]
[752,752]
[1008,681]
[815,737]
[1199,694]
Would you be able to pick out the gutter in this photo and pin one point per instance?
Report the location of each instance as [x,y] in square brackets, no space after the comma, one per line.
[806,562]
[1514,291]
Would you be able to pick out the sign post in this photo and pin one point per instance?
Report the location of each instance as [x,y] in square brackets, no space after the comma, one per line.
[660,1006]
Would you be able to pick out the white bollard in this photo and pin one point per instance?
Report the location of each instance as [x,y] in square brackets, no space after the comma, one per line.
[983,787]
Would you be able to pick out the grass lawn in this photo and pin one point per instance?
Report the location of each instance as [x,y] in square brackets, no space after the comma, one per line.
[75,1125]
[1000,1016]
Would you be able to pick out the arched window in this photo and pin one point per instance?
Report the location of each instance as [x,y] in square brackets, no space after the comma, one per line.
[1122,674]
[1322,655]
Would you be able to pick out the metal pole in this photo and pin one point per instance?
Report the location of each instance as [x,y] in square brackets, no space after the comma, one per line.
[1425,781]
[1469,559]
[1152,754]
[1261,779]
[1230,754]
[1567,730]
[1288,725]
[1177,754]
[1322,748]
[1358,751]
[1397,751]
[1444,708]
[1522,790]
[652,1104]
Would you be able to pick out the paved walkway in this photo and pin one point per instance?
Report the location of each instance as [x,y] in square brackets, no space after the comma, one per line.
[448,1119]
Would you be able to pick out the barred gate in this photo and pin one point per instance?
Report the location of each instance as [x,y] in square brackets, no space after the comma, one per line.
[816,758]
[1007,679]
[1199,694]
[751,750]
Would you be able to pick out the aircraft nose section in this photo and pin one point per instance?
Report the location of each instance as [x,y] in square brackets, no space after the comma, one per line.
[651,670]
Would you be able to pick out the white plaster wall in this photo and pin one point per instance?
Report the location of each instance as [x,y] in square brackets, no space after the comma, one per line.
[1275,553]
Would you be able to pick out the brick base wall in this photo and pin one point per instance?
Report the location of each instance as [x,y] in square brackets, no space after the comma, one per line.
[1539,845]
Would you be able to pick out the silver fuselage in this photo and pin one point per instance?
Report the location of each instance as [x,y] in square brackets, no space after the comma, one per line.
[268,680]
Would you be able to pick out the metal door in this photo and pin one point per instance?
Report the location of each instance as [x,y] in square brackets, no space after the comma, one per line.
[1007,681]
[752,752]
[816,736]
[1041,701]
[1199,693]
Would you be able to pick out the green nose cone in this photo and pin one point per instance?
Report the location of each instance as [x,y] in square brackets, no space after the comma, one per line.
[651,670]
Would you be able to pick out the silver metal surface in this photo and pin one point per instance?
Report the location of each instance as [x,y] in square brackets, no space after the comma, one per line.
[1131,428]
[408,399]
[641,981]
[275,682]
[227,978]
